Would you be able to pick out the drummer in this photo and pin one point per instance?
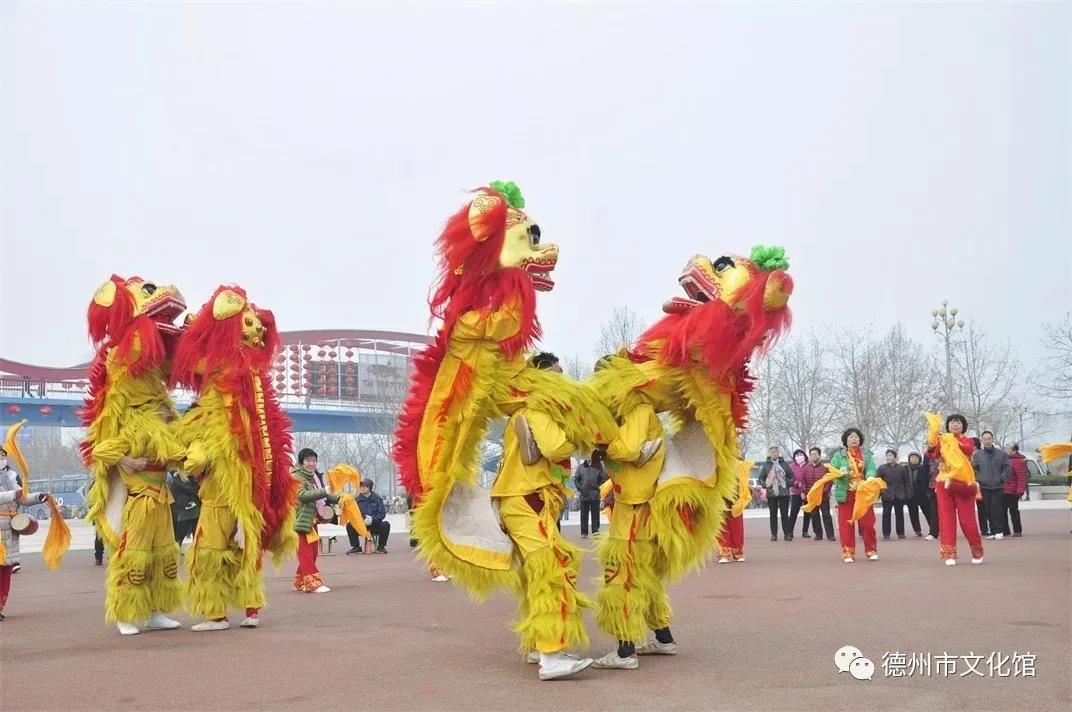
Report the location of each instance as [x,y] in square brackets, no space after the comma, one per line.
[10,498]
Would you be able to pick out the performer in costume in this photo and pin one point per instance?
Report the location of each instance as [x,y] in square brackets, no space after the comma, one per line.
[130,445]
[492,262]
[731,538]
[854,466]
[955,487]
[1055,451]
[12,495]
[310,491]
[237,441]
[670,493]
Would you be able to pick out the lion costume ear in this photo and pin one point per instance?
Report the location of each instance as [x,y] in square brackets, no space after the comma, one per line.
[105,294]
[226,304]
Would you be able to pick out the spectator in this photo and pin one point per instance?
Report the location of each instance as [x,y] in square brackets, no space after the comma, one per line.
[896,494]
[186,507]
[931,466]
[855,465]
[797,492]
[919,479]
[776,478]
[814,469]
[980,510]
[992,469]
[586,480]
[375,513]
[1015,487]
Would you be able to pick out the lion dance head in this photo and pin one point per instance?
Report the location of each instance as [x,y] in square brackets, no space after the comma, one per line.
[136,318]
[491,254]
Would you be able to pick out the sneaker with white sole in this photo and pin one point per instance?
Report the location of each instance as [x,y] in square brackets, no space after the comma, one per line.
[127,628]
[999,537]
[724,560]
[440,578]
[611,661]
[322,589]
[211,625]
[740,559]
[158,621]
[930,538]
[533,657]
[873,557]
[654,647]
[848,560]
[950,562]
[251,622]
[559,665]
[977,561]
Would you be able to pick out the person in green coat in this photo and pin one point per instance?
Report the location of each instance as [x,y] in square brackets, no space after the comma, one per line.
[310,491]
[855,465]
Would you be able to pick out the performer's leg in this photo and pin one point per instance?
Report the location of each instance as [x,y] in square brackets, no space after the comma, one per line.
[5,585]
[968,524]
[947,523]
[164,574]
[658,614]
[308,577]
[128,594]
[868,533]
[551,608]
[212,564]
[846,531]
[736,525]
[725,541]
[622,601]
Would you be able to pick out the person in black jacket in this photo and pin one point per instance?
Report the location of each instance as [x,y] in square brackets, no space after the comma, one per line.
[375,513]
[186,507]
[776,478]
[897,492]
[919,478]
[586,481]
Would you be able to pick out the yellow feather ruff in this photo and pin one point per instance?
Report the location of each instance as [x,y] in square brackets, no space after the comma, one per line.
[550,613]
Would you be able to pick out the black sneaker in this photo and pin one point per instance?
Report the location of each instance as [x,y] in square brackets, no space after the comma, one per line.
[806,535]
[354,550]
[15,568]
[381,550]
[788,537]
[1,616]
[99,562]
[818,537]
[1017,534]
[774,537]
[900,536]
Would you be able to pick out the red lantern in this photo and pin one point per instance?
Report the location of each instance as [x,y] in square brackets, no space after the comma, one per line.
[13,409]
[46,409]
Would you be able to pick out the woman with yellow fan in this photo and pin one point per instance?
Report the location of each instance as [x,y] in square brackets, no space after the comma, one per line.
[955,488]
[12,495]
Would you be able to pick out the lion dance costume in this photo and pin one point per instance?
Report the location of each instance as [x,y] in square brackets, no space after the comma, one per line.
[130,445]
[670,494]
[237,441]
[492,262]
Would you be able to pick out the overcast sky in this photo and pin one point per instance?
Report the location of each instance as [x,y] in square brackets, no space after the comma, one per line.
[903,153]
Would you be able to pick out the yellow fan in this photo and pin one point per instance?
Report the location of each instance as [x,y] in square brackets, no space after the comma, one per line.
[338,477]
[815,494]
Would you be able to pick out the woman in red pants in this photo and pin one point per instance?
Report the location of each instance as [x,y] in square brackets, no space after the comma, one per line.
[955,488]
[855,465]
[731,538]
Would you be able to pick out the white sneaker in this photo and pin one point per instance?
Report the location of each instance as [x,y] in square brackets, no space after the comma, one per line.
[440,578]
[999,537]
[211,625]
[929,538]
[559,665]
[251,622]
[950,562]
[977,561]
[724,560]
[611,661]
[741,560]
[847,560]
[158,621]
[873,557]
[322,589]
[533,657]
[654,647]
[989,536]
[127,628]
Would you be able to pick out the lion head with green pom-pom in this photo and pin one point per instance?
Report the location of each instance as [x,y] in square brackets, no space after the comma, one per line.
[732,278]
[497,234]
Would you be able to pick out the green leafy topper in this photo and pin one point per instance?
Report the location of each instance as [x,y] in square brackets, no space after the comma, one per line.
[769,258]
[510,191]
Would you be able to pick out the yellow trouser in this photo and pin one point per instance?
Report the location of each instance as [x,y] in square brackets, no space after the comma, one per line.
[633,597]
[550,607]
[143,572]
[218,572]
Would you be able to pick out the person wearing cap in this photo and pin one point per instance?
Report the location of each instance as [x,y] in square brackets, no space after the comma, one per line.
[311,492]
[375,513]
[10,498]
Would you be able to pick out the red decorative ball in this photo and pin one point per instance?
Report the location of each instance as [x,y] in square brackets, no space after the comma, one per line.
[13,409]
[46,409]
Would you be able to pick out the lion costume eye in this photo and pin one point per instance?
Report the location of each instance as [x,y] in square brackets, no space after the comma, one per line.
[534,235]
[149,288]
[724,263]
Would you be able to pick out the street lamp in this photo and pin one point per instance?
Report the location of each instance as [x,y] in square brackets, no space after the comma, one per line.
[944,324]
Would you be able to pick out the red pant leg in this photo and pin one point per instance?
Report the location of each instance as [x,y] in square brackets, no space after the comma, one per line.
[846,532]
[867,531]
[5,585]
[725,539]
[308,576]
[737,536]
[947,522]
[969,524]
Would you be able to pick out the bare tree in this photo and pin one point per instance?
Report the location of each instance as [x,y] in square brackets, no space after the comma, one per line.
[577,368]
[908,386]
[622,329]
[986,376]
[801,380]
[859,371]
[1053,379]
[48,453]
[762,430]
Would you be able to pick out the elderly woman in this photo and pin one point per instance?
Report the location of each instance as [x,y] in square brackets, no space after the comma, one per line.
[955,488]
[855,465]
[10,498]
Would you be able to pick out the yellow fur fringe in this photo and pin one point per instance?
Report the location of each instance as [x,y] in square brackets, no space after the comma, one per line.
[632,597]
[138,584]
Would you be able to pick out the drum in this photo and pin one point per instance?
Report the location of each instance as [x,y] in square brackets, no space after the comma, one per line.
[23,524]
